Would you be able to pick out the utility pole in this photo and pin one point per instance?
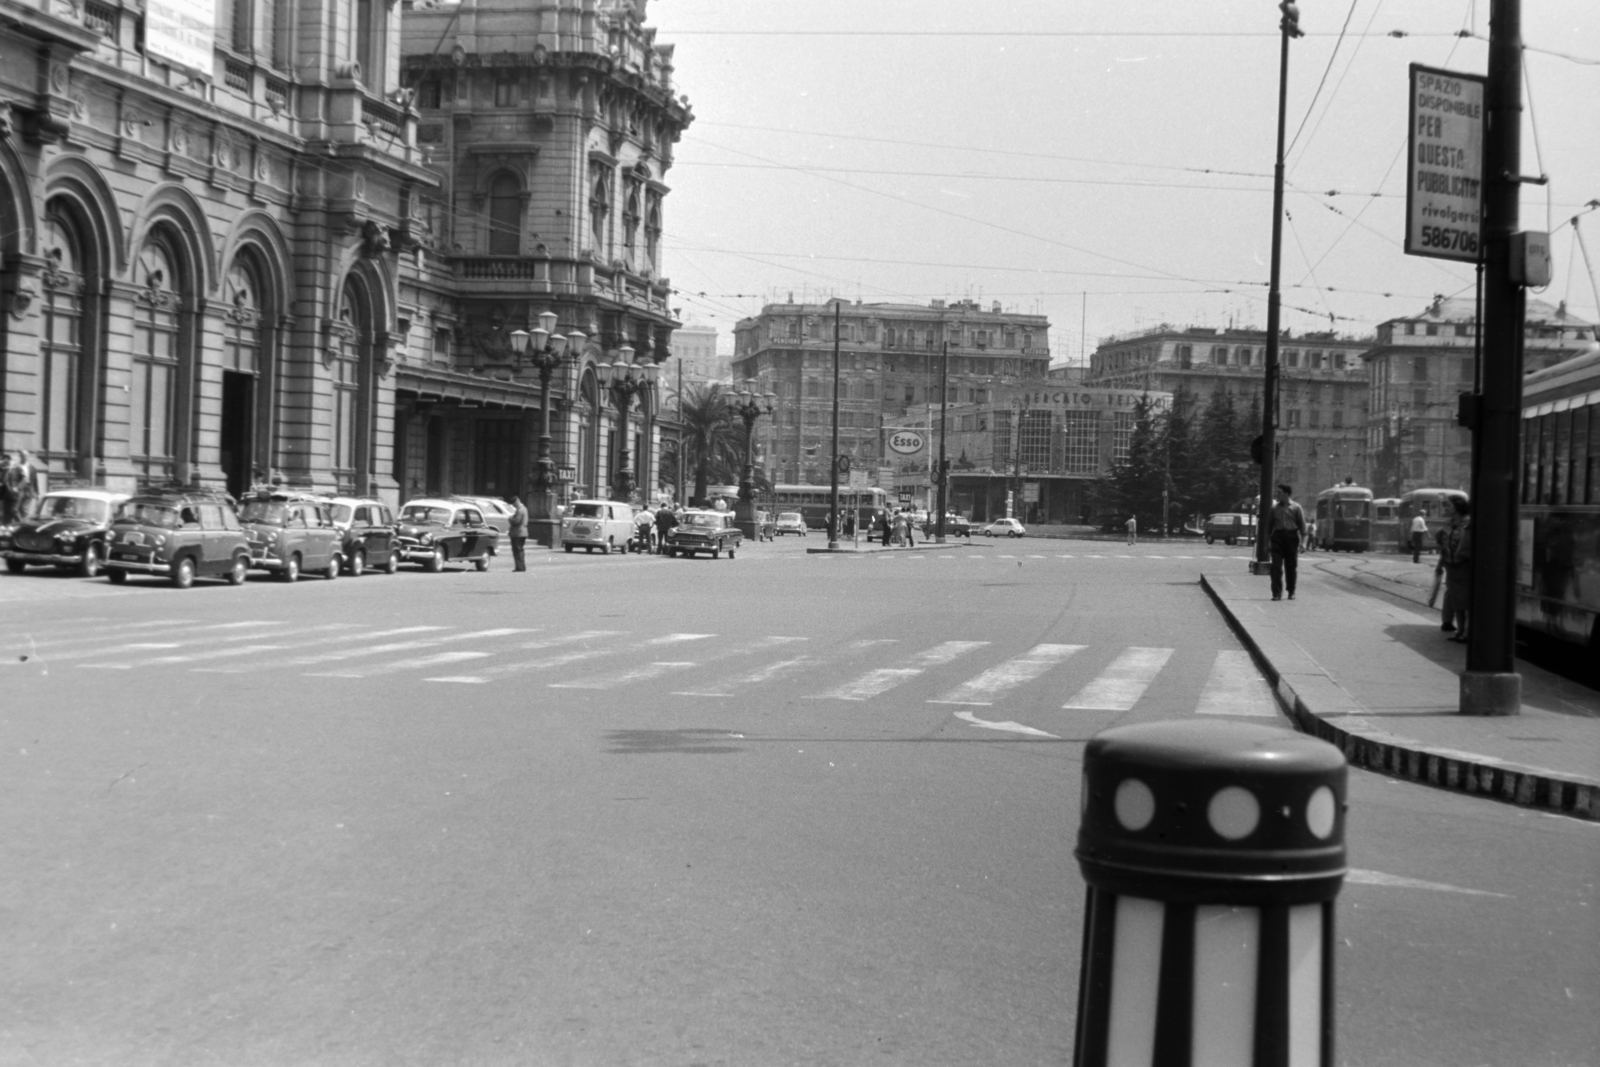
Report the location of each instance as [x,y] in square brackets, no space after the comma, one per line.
[1288,26]
[833,473]
[1490,684]
[942,473]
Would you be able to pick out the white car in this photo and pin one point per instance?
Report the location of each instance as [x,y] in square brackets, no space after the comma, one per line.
[790,522]
[591,524]
[1004,528]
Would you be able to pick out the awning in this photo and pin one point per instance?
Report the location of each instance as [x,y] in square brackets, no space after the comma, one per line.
[472,389]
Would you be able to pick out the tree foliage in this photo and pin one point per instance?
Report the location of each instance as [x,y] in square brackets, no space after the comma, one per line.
[712,438]
[1200,457]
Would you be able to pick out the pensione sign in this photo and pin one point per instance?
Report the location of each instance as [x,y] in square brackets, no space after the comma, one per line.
[1444,172]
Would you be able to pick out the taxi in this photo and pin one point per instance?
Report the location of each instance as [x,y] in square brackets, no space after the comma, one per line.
[291,534]
[602,524]
[179,534]
[711,532]
[436,531]
[68,529]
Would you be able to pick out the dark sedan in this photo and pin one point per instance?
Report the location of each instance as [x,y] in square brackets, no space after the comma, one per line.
[68,529]
[711,532]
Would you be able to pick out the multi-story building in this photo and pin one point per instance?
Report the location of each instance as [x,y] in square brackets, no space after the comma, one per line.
[694,354]
[228,253]
[1322,398]
[891,358]
[1047,445]
[550,127]
[1417,370]
[203,211]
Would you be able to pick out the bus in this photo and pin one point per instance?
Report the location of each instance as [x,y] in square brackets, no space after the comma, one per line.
[813,502]
[1435,508]
[1558,566]
[1386,528]
[1344,519]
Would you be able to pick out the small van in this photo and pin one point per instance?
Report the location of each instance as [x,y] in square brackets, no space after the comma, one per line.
[592,524]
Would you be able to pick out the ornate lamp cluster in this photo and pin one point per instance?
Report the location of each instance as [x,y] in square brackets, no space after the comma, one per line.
[545,350]
[748,403]
[626,380]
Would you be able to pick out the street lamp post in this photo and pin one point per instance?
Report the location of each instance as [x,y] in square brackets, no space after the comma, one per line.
[943,475]
[749,405]
[549,351]
[626,380]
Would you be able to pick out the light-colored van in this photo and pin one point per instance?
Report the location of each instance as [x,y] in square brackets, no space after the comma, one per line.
[592,524]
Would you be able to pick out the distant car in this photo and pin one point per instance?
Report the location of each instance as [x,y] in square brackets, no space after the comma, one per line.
[291,534]
[180,535]
[68,529]
[765,526]
[712,532]
[790,522]
[954,526]
[591,524]
[434,532]
[1004,528]
[1231,527]
[368,538]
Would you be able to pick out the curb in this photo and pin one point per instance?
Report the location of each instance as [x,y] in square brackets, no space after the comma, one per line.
[926,546]
[1373,749]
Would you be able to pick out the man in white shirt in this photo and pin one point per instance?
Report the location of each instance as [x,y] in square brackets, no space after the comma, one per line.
[1419,534]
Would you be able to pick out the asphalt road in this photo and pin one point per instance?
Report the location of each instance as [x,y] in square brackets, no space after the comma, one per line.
[621,810]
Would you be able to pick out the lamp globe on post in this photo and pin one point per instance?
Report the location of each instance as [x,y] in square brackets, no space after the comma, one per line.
[544,350]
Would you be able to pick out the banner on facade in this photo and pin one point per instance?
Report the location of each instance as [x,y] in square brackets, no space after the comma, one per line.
[1444,169]
[182,32]
[1082,399]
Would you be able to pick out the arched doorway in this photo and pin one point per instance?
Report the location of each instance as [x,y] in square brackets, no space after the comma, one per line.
[157,417]
[69,290]
[245,435]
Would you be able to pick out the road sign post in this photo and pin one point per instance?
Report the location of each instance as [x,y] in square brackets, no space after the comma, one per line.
[1213,853]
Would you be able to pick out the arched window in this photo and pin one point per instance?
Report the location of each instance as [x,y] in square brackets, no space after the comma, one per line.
[505,216]
[652,234]
[588,416]
[630,222]
[242,342]
[599,208]
[346,370]
[62,345]
[152,413]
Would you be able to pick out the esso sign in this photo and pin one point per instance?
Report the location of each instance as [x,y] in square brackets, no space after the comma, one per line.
[905,442]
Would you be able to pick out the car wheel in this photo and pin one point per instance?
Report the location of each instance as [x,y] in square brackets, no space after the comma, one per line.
[605,549]
[435,562]
[730,553]
[93,558]
[1211,540]
[16,566]
[358,563]
[117,575]
[291,568]
[394,563]
[241,567]
[1229,542]
[567,547]
[482,563]
[716,553]
[335,565]
[183,572]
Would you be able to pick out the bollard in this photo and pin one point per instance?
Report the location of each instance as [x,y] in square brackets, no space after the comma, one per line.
[1213,852]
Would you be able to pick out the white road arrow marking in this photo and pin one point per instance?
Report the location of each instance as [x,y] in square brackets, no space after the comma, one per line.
[1008,727]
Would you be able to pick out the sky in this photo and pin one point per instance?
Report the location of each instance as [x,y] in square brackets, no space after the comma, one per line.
[1108,165]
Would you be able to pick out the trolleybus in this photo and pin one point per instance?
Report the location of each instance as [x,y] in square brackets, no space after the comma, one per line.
[1386,529]
[814,502]
[1434,507]
[1344,519]
[1558,543]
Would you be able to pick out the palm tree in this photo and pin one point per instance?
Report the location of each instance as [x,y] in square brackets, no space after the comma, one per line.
[711,439]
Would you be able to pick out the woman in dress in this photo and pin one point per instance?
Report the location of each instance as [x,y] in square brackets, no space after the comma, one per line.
[1455,561]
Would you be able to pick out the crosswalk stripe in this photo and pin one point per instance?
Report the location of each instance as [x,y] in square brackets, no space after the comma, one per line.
[1235,687]
[81,631]
[995,682]
[225,653]
[878,682]
[562,659]
[726,686]
[656,670]
[355,653]
[1120,685]
[83,646]
[396,666]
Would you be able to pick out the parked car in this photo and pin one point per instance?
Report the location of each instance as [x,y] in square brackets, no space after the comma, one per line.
[954,526]
[291,533]
[434,532]
[592,524]
[790,522]
[68,529]
[1004,528]
[712,532]
[1231,527]
[367,537]
[180,534]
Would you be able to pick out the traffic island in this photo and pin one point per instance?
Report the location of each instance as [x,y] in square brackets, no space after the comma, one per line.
[1355,670]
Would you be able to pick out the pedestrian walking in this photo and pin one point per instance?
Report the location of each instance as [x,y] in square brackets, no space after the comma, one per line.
[1286,524]
[19,483]
[518,534]
[885,527]
[1133,529]
[665,521]
[1455,562]
[7,501]
[1419,531]
[911,529]
[1309,542]
[644,523]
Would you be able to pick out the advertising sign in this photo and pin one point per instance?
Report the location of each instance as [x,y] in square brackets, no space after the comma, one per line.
[1444,168]
[181,32]
[1030,492]
[906,442]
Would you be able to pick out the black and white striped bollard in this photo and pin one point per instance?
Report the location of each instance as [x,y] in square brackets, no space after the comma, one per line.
[1213,853]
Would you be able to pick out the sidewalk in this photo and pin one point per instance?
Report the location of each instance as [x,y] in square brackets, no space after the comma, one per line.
[1379,680]
[930,545]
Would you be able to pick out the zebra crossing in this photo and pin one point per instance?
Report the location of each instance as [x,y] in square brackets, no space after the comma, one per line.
[966,675]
